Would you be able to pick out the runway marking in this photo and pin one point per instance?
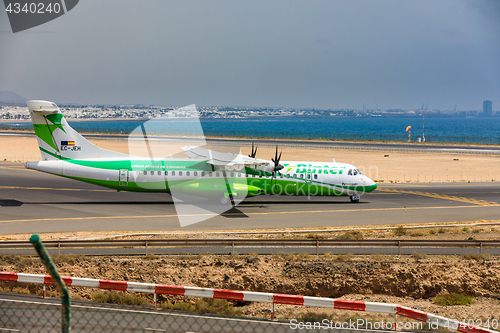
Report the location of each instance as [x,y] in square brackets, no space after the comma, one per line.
[444,196]
[54,189]
[235,214]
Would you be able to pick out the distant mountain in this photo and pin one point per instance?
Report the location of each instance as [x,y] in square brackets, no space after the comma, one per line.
[9,96]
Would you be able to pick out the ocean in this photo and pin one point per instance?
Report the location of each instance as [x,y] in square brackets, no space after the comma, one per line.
[437,129]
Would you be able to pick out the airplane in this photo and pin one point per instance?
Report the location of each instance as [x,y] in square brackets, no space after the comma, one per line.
[216,176]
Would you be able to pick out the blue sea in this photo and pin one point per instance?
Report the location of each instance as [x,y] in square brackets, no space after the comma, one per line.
[437,129]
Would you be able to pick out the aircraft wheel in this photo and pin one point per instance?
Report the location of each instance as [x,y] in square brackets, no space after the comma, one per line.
[224,200]
[355,198]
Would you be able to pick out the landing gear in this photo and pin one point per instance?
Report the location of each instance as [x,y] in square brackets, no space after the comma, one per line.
[224,199]
[355,198]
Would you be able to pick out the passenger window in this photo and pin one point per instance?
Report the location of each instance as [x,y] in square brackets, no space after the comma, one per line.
[203,173]
[294,175]
[301,176]
[180,173]
[281,176]
[216,174]
[166,173]
[239,175]
[173,173]
[152,173]
[210,174]
[232,174]
[195,173]
[315,176]
[308,176]
[188,173]
[145,173]
[159,173]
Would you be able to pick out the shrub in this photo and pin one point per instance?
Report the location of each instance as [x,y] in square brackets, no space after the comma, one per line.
[204,305]
[312,317]
[453,299]
[115,297]
[314,236]
[419,256]
[399,231]
[344,257]
[350,235]
[441,230]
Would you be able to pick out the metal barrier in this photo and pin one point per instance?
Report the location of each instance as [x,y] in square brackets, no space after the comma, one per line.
[263,243]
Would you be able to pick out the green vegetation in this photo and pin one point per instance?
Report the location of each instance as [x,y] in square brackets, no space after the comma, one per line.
[442,230]
[416,234]
[399,231]
[19,262]
[204,305]
[432,232]
[116,297]
[350,235]
[453,299]
[465,229]
[70,259]
[15,290]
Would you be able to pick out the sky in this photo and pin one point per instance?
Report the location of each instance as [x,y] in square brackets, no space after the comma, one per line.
[261,53]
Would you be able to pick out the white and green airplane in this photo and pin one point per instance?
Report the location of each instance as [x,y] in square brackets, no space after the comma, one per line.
[219,177]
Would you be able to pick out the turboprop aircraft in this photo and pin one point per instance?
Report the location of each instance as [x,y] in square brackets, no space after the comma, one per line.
[203,173]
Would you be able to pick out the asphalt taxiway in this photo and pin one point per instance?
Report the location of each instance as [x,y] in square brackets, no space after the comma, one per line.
[34,202]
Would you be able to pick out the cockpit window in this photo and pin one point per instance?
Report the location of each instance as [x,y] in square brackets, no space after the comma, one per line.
[357,172]
[349,172]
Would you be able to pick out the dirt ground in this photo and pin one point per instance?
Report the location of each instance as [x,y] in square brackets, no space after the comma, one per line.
[380,166]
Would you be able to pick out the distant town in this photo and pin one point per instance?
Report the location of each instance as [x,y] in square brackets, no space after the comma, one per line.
[13,107]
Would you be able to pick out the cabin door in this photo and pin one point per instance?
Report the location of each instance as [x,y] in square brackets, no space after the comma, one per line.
[123,177]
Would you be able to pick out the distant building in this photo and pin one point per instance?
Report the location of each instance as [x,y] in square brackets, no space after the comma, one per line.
[487,108]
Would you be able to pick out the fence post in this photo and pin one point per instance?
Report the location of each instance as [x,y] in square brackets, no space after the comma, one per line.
[57,280]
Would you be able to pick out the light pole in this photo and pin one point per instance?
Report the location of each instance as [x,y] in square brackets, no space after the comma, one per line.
[423,125]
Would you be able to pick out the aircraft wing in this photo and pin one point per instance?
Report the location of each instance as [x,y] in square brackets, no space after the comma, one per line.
[222,159]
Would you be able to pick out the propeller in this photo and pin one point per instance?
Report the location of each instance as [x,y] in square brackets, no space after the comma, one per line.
[277,166]
[254,152]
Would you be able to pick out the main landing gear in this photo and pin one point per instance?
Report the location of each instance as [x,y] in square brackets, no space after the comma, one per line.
[355,198]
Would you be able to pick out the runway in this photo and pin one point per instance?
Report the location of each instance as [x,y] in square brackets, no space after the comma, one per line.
[34,202]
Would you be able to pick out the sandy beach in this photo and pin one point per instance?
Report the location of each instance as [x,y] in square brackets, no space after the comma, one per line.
[396,167]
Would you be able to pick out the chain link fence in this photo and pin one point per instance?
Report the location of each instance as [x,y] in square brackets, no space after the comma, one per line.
[45,316]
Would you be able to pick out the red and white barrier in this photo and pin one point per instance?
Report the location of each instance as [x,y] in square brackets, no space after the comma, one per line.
[251,297]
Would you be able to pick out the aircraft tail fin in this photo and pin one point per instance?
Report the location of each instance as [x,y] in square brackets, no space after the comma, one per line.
[57,140]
